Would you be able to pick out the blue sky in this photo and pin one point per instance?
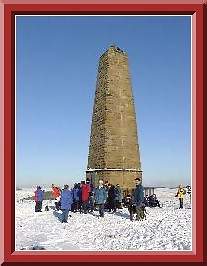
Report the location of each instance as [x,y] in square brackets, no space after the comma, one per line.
[57,60]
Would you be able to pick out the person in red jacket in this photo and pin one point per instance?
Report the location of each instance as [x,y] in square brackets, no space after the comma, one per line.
[84,196]
[56,192]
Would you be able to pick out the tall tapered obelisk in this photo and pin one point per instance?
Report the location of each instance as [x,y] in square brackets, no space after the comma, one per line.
[114,150]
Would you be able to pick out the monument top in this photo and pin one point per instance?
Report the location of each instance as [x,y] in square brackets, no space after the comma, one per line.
[115,48]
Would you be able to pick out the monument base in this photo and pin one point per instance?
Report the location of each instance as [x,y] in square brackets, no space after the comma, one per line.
[123,177]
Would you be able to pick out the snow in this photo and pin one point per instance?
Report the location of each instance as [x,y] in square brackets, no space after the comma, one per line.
[166,228]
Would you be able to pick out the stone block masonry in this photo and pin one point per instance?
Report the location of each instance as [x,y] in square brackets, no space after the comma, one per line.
[114,150]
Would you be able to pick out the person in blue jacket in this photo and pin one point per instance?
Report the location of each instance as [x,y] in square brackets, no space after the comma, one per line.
[66,202]
[100,195]
[39,196]
[79,195]
[138,196]
[76,198]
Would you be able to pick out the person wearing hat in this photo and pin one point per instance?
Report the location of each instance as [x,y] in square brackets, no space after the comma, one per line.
[39,196]
[138,196]
[66,202]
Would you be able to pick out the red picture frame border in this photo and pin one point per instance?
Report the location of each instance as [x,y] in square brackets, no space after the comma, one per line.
[198,11]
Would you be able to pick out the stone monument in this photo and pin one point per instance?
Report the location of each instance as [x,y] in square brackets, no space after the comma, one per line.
[114,150]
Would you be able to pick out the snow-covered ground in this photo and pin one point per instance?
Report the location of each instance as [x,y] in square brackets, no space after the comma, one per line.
[166,228]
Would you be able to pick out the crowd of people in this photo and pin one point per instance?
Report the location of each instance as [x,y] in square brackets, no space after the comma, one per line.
[85,198]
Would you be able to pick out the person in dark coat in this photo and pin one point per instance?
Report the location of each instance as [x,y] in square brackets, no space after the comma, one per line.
[188,187]
[119,197]
[100,195]
[127,200]
[111,200]
[153,201]
[138,197]
[66,202]
[91,202]
[146,201]
[106,184]
[39,196]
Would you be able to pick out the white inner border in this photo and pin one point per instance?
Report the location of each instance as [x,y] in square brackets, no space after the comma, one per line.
[192,199]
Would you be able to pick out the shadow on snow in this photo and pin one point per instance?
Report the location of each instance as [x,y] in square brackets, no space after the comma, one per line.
[58,215]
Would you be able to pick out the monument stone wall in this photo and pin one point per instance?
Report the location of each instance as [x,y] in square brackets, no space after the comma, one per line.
[114,150]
